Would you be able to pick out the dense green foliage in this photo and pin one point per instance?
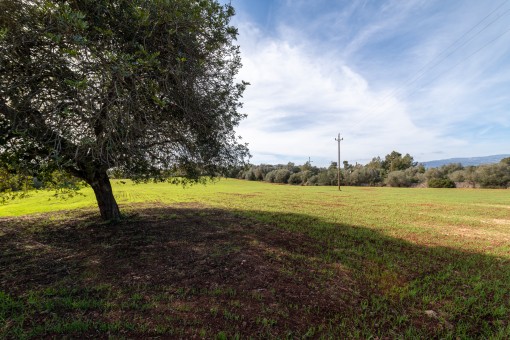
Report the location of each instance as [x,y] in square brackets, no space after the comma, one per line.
[146,87]
[395,171]
[14,185]
[441,183]
[372,174]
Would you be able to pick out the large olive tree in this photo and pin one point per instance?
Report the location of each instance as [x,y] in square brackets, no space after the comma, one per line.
[145,86]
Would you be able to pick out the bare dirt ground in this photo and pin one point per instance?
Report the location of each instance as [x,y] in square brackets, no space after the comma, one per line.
[182,271]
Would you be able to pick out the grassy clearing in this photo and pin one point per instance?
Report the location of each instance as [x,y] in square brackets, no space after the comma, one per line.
[363,262]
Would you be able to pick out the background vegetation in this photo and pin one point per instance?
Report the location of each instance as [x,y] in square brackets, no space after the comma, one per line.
[395,170]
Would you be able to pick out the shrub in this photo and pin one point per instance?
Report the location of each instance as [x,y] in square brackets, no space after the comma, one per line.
[295,179]
[249,175]
[364,176]
[324,179]
[493,175]
[281,176]
[313,180]
[305,174]
[458,176]
[433,173]
[270,176]
[415,174]
[441,183]
[398,179]
[13,182]
[259,174]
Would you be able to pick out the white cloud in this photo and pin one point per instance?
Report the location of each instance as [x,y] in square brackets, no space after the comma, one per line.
[297,103]
[304,91]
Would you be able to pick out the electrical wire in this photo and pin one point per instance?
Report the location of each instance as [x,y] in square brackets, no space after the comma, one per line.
[436,62]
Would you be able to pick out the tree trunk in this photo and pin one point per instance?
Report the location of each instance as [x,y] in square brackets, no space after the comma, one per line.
[108,207]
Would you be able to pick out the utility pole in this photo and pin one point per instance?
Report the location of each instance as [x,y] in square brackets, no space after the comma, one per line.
[339,140]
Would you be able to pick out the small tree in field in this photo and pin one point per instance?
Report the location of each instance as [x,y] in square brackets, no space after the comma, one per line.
[146,87]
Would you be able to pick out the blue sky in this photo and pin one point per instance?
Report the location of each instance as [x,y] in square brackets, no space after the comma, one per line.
[425,77]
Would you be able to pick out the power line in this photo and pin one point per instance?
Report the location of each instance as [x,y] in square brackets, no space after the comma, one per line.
[465,34]
[466,58]
[472,54]
[420,75]
[436,61]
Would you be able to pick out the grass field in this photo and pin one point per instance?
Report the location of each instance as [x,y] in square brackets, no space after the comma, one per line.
[247,259]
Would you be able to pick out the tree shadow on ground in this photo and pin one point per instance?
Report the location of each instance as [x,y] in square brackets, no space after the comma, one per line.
[192,271]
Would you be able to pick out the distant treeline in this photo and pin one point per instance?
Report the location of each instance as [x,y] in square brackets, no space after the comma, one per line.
[395,170]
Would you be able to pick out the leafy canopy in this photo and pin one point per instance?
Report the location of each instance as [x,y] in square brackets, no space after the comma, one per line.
[144,86]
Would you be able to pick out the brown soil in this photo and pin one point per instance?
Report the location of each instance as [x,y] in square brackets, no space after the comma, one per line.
[197,271]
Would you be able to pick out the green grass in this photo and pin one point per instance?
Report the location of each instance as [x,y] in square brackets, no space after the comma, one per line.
[419,262]
[467,218]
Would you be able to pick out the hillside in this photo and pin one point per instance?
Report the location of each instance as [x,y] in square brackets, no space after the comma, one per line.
[466,161]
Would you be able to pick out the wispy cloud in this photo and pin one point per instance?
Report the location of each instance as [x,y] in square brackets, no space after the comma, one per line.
[307,86]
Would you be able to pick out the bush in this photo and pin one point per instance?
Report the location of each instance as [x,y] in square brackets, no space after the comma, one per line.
[13,182]
[441,183]
[493,175]
[249,175]
[259,174]
[295,179]
[324,178]
[305,174]
[282,176]
[398,179]
[313,180]
[415,174]
[364,176]
[458,176]
[270,176]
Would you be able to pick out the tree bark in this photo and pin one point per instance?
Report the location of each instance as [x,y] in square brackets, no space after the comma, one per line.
[108,207]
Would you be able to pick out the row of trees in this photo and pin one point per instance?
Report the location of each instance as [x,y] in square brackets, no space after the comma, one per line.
[395,170]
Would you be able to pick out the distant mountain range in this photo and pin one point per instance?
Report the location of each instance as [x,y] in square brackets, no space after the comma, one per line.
[465,161]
